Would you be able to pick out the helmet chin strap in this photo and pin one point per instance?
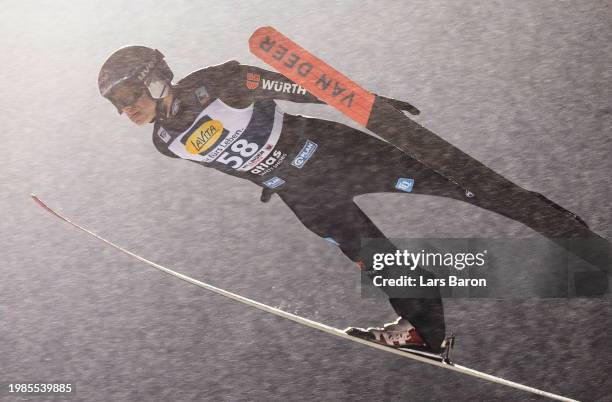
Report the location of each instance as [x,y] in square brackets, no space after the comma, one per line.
[161,110]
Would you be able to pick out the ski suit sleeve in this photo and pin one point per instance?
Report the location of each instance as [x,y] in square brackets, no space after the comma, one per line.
[261,79]
[238,83]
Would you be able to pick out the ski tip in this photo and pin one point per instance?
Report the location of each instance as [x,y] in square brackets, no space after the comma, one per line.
[264,30]
[37,200]
[260,33]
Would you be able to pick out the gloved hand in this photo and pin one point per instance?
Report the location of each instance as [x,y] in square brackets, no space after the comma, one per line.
[401,105]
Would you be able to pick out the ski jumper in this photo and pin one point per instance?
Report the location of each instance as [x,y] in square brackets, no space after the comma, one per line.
[225,117]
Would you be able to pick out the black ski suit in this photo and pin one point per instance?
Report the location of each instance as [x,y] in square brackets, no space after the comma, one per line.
[225,117]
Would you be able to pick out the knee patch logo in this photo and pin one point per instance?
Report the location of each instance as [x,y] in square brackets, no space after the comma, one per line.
[404,184]
[274,182]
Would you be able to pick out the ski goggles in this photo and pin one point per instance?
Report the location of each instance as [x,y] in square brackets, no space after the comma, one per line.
[126,94]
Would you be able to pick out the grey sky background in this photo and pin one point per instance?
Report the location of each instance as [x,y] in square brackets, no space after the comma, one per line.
[524,86]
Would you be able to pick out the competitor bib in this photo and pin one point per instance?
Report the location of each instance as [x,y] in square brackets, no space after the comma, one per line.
[238,139]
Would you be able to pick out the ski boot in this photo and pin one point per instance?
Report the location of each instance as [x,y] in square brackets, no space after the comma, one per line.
[398,334]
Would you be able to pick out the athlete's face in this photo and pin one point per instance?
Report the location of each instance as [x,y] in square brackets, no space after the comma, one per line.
[135,102]
[142,111]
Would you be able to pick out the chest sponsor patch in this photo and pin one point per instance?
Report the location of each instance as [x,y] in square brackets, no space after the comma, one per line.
[163,135]
[305,153]
[404,184]
[274,182]
[204,137]
[252,80]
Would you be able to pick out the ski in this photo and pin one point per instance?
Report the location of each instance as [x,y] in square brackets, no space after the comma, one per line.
[378,115]
[442,360]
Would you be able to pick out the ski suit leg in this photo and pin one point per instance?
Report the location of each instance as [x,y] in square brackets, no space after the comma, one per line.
[490,188]
[529,208]
[341,220]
